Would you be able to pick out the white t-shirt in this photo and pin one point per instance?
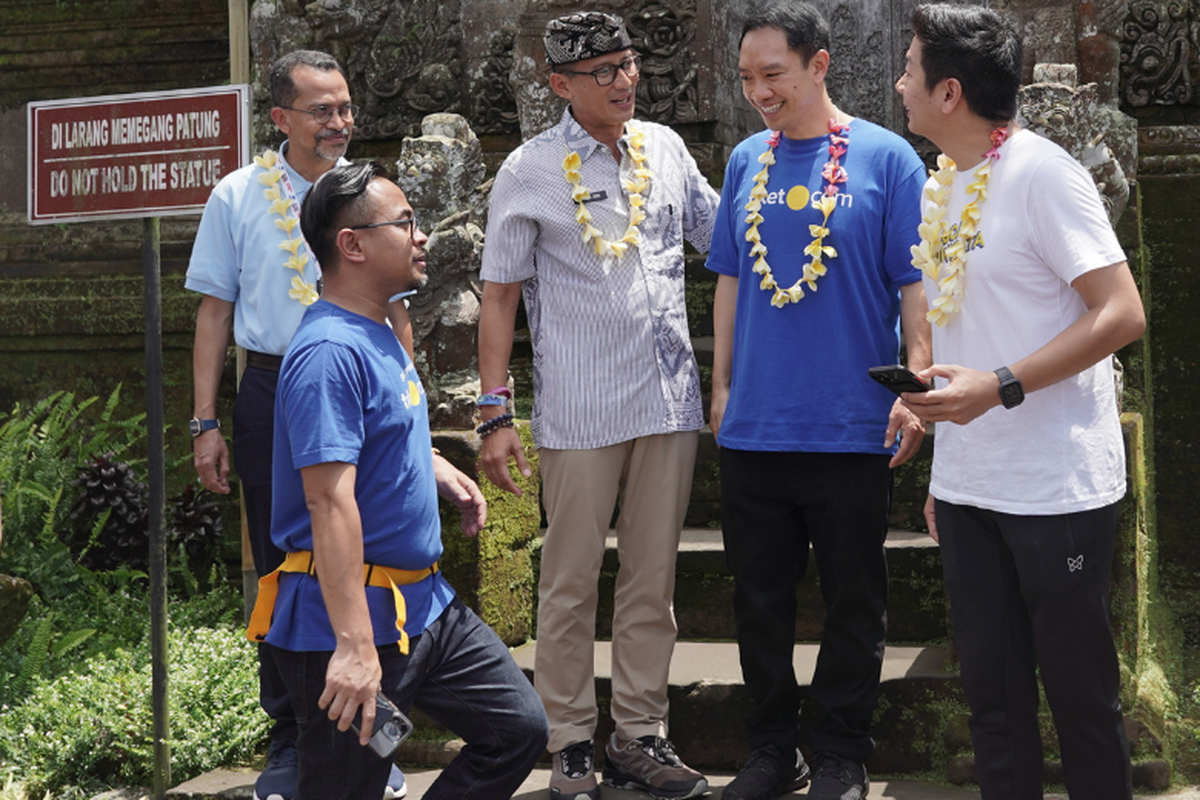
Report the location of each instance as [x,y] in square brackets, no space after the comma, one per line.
[1061,451]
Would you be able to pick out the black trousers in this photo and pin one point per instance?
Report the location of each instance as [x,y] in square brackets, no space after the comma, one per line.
[773,506]
[253,439]
[1029,594]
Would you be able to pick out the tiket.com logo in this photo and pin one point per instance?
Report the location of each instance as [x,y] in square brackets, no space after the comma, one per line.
[1074,564]
[798,198]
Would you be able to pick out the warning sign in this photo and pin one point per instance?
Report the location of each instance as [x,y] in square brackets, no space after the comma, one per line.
[135,155]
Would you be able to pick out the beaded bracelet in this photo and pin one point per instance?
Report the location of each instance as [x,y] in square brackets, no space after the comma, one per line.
[491,399]
[495,424]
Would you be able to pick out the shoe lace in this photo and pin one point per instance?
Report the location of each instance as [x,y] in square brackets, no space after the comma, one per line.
[282,754]
[576,760]
[661,750]
[830,765]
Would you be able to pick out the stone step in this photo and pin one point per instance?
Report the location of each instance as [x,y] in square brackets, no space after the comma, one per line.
[707,699]
[704,590]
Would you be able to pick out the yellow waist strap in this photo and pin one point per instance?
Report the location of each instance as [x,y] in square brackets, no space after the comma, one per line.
[302,561]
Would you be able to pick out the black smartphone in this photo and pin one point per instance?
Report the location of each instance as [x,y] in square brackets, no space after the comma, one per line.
[390,729]
[899,379]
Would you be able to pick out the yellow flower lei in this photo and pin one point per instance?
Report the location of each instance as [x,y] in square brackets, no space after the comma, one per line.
[817,250]
[636,189]
[302,291]
[951,276]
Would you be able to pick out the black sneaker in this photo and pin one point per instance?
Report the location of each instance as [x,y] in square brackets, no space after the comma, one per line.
[277,781]
[767,775]
[837,778]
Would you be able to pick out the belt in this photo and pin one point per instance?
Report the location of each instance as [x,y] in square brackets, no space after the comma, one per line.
[302,561]
[263,361]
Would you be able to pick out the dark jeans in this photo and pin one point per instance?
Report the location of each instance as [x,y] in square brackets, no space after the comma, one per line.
[1030,594]
[460,674]
[253,438]
[773,506]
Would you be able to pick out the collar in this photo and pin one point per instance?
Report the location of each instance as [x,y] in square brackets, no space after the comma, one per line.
[576,137]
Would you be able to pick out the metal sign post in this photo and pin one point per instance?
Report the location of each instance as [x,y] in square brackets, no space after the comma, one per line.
[140,156]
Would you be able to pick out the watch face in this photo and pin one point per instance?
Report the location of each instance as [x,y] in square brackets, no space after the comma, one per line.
[1011,394]
[194,427]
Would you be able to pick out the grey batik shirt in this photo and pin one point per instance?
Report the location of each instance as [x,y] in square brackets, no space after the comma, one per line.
[612,354]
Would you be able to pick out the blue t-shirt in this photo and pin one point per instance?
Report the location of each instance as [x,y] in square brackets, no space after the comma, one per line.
[349,393]
[799,381]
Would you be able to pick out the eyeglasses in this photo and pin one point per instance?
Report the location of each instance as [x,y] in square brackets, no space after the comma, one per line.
[400,223]
[323,113]
[608,73]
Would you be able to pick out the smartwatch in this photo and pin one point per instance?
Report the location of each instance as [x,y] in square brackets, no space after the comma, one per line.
[1011,392]
[198,426]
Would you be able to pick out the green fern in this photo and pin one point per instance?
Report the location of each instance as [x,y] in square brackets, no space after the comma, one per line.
[38,652]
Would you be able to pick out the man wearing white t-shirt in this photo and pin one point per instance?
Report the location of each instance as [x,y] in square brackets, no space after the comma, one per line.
[1030,294]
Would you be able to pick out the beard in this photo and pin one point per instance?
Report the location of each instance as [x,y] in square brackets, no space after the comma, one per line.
[331,152]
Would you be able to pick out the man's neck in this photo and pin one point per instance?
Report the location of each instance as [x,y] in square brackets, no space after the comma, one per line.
[349,299]
[968,143]
[607,135]
[817,123]
[307,165]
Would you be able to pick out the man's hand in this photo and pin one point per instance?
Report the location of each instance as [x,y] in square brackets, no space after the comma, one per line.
[460,490]
[210,455]
[969,394]
[716,409]
[351,682]
[931,518]
[911,430]
[495,451]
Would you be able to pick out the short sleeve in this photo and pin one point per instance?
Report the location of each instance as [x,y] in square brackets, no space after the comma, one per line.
[321,393]
[1071,230]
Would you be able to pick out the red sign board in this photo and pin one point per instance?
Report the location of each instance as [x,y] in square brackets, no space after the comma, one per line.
[150,154]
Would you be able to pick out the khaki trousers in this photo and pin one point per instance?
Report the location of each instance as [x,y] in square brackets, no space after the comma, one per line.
[651,477]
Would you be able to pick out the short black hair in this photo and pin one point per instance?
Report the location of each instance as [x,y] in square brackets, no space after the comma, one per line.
[806,30]
[283,87]
[976,46]
[334,202]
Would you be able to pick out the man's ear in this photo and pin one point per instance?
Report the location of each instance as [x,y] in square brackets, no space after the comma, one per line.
[561,85]
[951,95]
[280,118]
[348,245]
[819,64]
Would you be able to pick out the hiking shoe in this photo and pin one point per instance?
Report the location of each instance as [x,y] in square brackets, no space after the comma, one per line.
[649,763]
[396,787]
[277,781]
[573,775]
[837,778]
[767,775]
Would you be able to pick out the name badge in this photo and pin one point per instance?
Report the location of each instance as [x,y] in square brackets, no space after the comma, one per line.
[594,196]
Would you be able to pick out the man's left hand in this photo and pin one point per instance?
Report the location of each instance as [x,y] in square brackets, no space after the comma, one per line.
[911,430]
[456,487]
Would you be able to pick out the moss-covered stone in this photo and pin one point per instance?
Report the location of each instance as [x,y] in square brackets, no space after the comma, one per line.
[493,572]
[15,594]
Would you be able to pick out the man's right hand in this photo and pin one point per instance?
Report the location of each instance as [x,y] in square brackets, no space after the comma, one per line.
[494,453]
[210,455]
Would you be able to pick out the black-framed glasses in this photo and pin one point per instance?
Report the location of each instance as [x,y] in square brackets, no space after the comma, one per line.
[410,222]
[323,113]
[608,73]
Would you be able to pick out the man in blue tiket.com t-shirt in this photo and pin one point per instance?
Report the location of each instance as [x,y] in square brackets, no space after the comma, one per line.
[812,248]
[361,606]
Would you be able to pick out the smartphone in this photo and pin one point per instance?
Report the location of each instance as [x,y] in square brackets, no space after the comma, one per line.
[391,727]
[899,379]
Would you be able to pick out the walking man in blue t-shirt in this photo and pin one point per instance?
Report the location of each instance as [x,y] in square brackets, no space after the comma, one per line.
[361,606]
[812,248]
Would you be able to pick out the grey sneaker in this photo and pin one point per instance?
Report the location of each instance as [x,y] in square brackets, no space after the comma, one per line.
[649,763]
[573,775]
[767,775]
[837,778]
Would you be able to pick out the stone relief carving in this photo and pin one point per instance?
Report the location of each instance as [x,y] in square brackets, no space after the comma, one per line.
[1076,120]
[495,105]
[663,31]
[857,62]
[1169,150]
[1159,61]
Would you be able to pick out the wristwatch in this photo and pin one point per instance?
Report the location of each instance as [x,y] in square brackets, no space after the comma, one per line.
[198,426]
[1011,392]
